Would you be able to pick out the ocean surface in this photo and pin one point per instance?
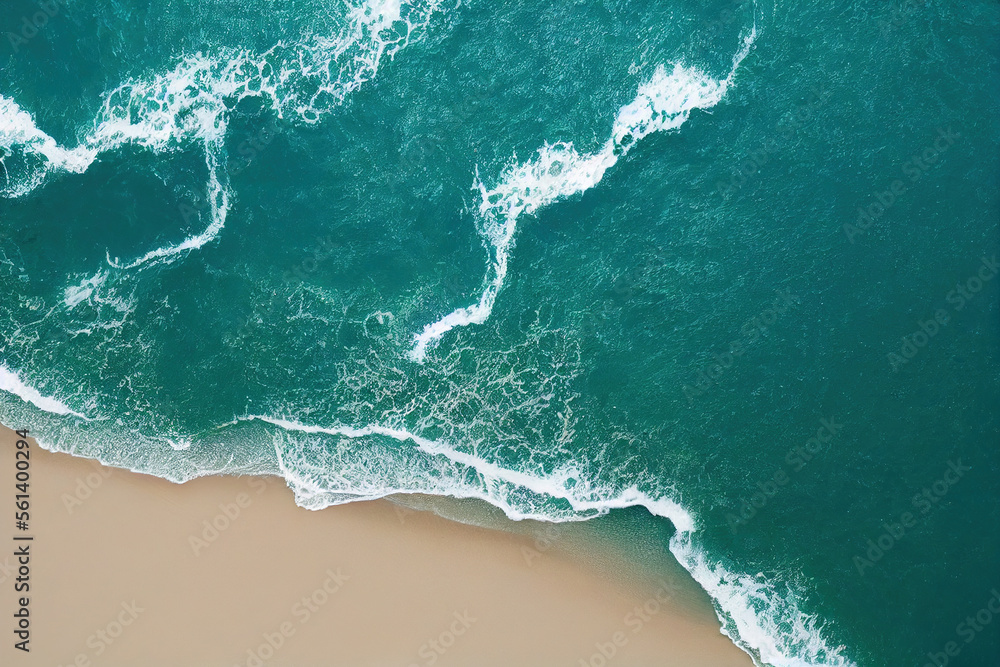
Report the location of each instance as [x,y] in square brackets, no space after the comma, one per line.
[727,269]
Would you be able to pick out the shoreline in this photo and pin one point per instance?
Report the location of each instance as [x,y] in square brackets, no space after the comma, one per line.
[234,573]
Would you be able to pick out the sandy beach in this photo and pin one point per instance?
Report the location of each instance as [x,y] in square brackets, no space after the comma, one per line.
[131,570]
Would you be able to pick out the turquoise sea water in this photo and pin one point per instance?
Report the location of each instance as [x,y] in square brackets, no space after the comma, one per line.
[720,267]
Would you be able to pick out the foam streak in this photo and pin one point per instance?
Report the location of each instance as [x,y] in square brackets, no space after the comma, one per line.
[12,383]
[558,171]
[218,196]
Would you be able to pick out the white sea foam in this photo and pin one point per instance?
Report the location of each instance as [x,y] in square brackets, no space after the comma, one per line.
[558,171]
[12,383]
[563,484]
[300,81]
[75,294]
[763,620]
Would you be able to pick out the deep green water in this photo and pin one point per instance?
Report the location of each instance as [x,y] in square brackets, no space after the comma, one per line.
[566,258]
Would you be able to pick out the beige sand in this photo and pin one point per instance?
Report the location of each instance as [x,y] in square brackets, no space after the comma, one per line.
[115,580]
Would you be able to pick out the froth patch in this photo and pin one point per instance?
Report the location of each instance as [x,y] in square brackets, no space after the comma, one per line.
[75,294]
[39,152]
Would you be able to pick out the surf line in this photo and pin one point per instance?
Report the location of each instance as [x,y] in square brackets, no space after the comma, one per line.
[583,506]
[756,613]
[663,103]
